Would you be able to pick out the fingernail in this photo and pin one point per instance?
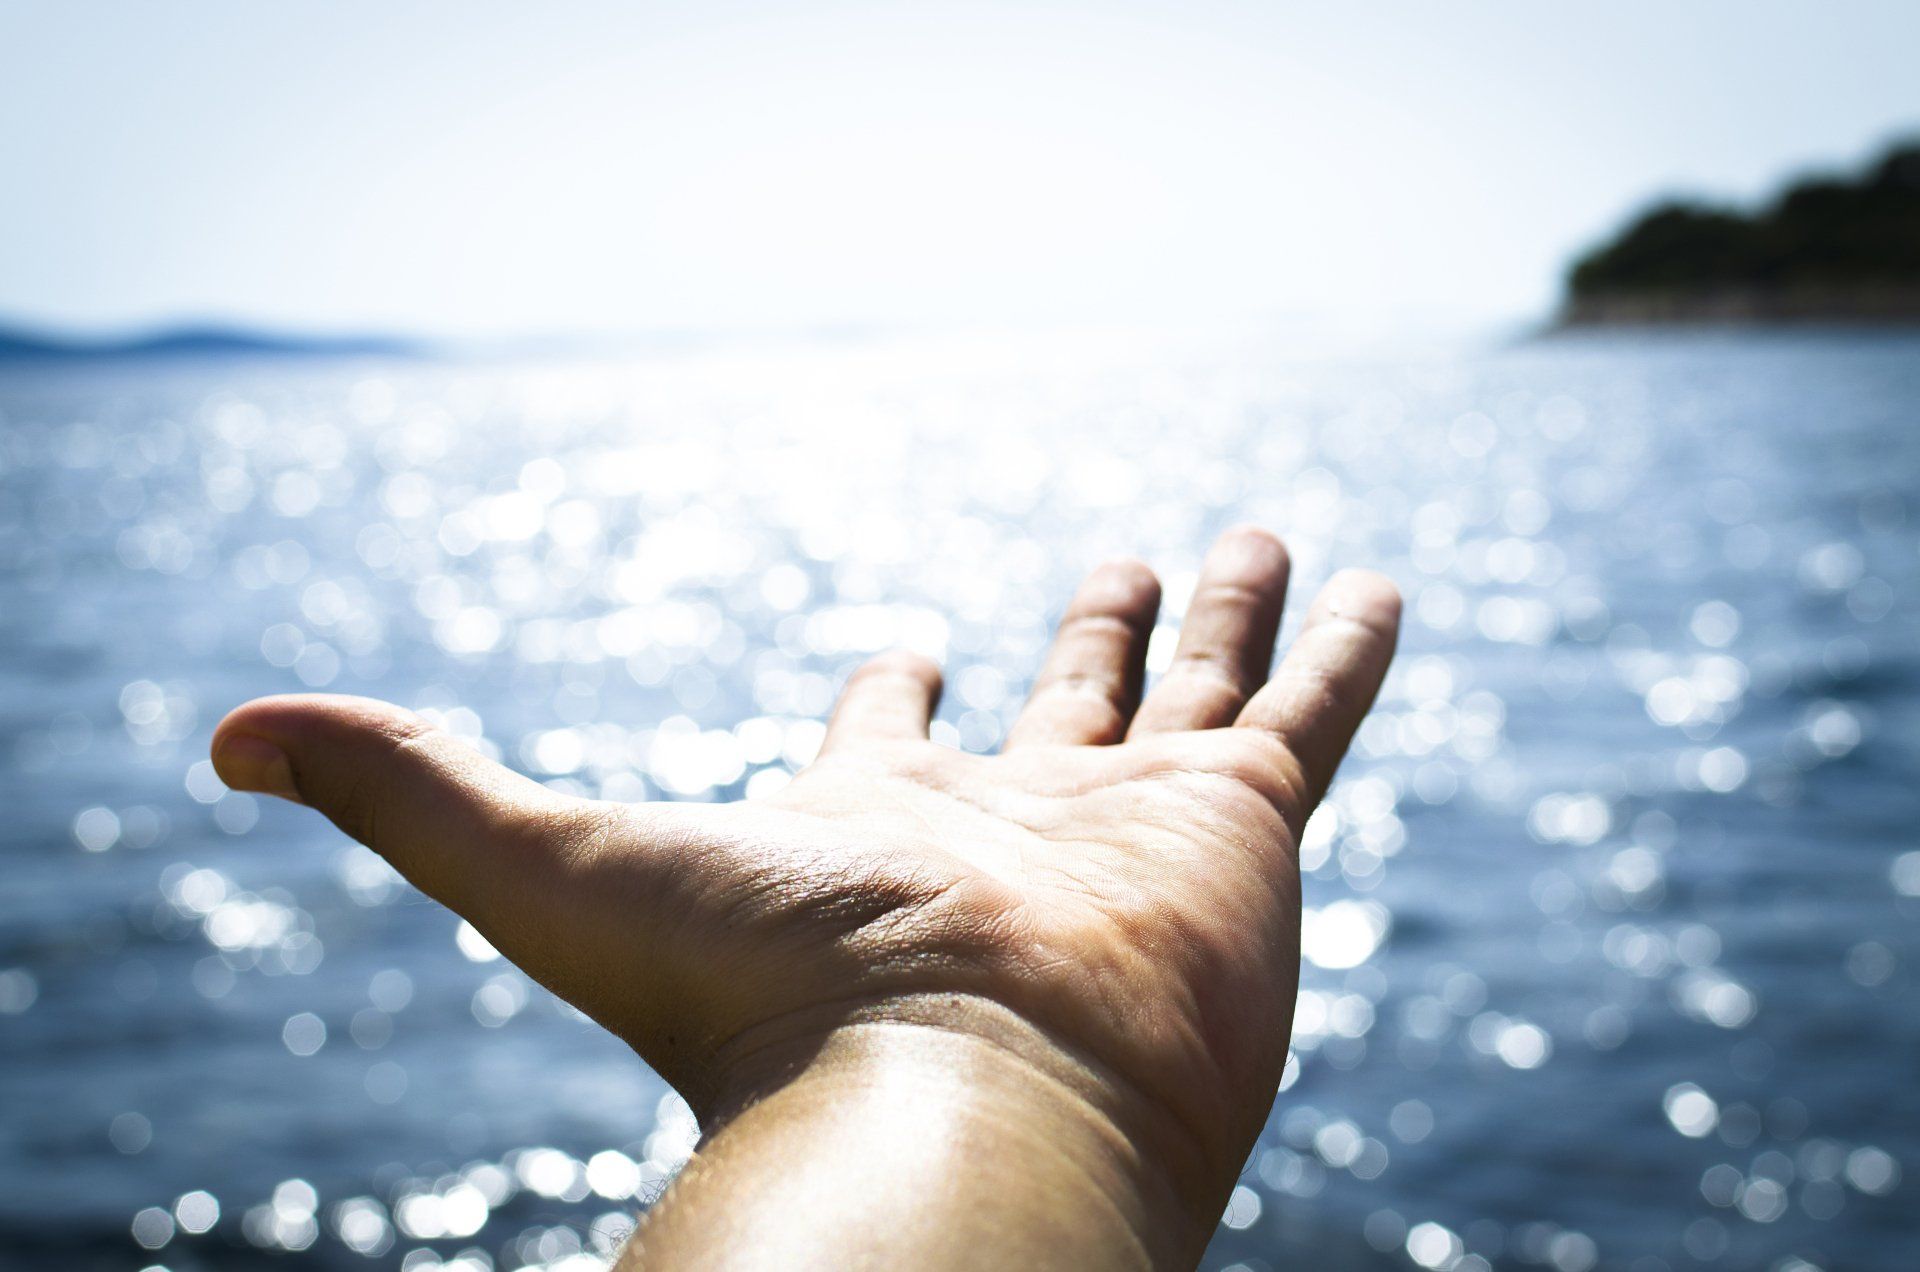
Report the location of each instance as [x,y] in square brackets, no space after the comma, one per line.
[255,764]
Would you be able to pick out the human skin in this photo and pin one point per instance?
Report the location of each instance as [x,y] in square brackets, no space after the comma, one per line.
[932,1009]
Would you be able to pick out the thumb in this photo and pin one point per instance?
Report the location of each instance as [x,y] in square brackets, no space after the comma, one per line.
[464,829]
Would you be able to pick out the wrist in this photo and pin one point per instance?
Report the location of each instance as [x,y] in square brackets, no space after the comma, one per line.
[1008,1099]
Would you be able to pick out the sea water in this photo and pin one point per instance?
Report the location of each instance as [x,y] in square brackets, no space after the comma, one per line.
[1610,952]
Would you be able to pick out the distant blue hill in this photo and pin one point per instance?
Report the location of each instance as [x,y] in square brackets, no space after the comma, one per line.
[23,345]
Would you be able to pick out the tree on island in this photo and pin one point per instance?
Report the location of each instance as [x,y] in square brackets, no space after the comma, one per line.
[1825,249]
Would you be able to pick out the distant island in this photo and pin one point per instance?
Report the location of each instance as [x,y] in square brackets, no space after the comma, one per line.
[1825,250]
[23,345]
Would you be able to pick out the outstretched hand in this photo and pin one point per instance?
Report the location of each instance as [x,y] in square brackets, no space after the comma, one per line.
[1106,913]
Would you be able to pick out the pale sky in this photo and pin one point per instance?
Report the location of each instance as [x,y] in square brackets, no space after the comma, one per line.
[466,167]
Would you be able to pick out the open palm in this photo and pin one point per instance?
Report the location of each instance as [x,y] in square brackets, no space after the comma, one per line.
[1121,876]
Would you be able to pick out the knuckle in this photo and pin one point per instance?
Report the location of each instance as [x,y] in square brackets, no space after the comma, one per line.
[573,834]
[1096,625]
[1271,767]
[355,809]
[1332,689]
[1231,594]
[1094,686]
[1211,664]
[1365,625]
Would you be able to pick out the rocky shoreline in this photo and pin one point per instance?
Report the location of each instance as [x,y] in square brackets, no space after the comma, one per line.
[1740,307]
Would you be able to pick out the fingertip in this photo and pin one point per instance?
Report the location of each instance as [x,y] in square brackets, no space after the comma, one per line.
[286,716]
[248,763]
[890,696]
[1253,535]
[1125,586]
[1363,596]
[255,746]
[1247,555]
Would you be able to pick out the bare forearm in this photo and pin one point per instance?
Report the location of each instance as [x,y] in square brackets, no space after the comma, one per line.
[922,1145]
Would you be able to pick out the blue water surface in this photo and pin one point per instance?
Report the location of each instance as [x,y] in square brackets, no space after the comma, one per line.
[1611,952]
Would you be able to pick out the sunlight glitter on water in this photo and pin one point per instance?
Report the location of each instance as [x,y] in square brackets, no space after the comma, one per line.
[1633,652]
